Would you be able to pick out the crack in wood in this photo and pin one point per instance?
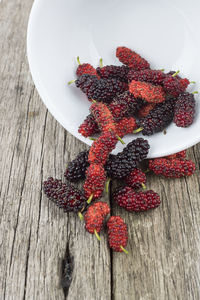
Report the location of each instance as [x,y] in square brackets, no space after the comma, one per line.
[26,267]
[67,271]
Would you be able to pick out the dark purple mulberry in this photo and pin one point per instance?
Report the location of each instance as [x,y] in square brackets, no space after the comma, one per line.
[76,168]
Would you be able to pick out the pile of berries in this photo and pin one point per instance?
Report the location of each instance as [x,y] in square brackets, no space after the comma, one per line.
[124,99]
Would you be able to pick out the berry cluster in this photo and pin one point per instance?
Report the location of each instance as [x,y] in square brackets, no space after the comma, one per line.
[125,99]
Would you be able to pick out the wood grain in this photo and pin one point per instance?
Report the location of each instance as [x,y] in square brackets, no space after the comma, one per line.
[46,254]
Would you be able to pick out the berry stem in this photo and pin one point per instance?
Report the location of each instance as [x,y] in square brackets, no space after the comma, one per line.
[193,82]
[143,186]
[146,171]
[98,237]
[78,60]
[118,137]
[175,73]
[138,130]
[101,63]
[195,92]
[94,101]
[162,70]
[72,81]
[80,216]
[91,138]
[123,249]
[90,199]
[107,185]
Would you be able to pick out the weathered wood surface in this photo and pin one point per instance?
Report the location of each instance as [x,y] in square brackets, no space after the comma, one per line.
[38,241]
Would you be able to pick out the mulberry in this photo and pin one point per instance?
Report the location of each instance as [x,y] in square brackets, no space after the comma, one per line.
[95,181]
[158,118]
[184,110]
[117,234]
[131,59]
[147,91]
[76,168]
[155,77]
[64,196]
[120,165]
[118,72]
[172,168]
[136,179]
[89,126]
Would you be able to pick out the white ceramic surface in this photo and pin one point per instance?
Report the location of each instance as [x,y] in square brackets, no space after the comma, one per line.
[166,33]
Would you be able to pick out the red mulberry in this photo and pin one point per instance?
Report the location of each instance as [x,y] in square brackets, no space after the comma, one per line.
[137,202]
[103,116]
[117,234]
[101,148]
[131,59]
[89,126]
[184,110]
[126,126]
[95,181]
[172,168]
[95,215]
[175,86]
[145,110]
[155,77]
[136,179]
[85,69]
[147,91]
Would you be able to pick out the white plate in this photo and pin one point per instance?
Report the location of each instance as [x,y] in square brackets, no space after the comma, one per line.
[166,33]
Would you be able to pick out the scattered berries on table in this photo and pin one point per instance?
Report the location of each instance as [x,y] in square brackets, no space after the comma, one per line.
[76,168]
[95,181]
[131,58]
[65,196]
[111,71]
[127,198]
[136,179]
[120,165]
[158,118]
[184,110]
[147,91]
[172,168]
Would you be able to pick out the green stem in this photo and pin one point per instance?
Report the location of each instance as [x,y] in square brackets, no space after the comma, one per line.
[98,237]
[90,199]
[78,60]
[195,92]
[125,251]
[80,216]
[143,186]
[91,138]
[72,81]
[138,130]
[193,82]
[101,63]
[162,70]
[107,185]
[94,101]
[118,137]
[175,73]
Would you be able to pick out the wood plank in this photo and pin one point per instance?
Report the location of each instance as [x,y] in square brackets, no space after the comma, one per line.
[38,241]
[164,244]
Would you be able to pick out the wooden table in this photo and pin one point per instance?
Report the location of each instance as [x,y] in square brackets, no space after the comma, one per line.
[46,254]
